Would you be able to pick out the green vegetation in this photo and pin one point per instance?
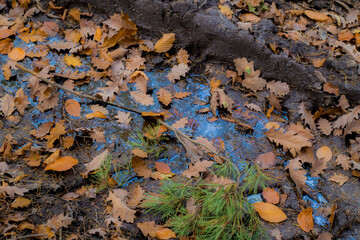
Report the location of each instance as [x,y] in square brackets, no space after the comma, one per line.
[101,177]
[217,212]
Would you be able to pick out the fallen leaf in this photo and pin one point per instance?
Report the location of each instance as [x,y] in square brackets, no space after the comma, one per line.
[53,157]
[16,54]
[326,235]
[225,10]
[70,60]
[254,83]
[266,160]
[306,116]
[72,107]
[305,220]
[140,167]
[164,96]
[26,225]
[317,16]
[276,234]
[12,190]
[180,123]
[344,161]
[325,153]
[278,88]
[181,95]
[249,17]
[162,167]
[330,88]
[343,120]
[178,71]
[21,101]
[135,196]
[97,135]
[120,209]
[7,105]
[271,195]
[339,178]
[297,172]
[165,43]
[142,98]
[96,114]
[182,56]
[269,212]
[55,133]
[6,45]
[220,99]
[194,170]
[319,62]
[343,102]
[95,163]
[345,35]
[62,164]
[139,153]
[165,233]
[43,130]
[148,228]
[20,202]
[123,117]
[325,126]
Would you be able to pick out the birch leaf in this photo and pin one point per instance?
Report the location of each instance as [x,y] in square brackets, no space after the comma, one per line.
[165,43]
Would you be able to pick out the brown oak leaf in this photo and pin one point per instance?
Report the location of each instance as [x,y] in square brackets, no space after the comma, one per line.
[177,72]
[165,97]
[278,88]
[197,168]
[120,209]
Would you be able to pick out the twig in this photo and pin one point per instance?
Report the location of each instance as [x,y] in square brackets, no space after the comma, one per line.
[343,5]
[31,236]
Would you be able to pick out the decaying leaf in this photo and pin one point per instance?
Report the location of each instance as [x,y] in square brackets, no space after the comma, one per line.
[12,190]
[16,54]
[339,178]
[96,162]
[330,88]
[325,126]
[266,160]
[220,99]
[120,209]
[140,167]
[278,88]
[343,102]
[135,196]
[7,105]
[180,123]
[182,56]
[20,202]
[142,98]
[123,117]
[43,130]
[270,212]
[197,168]
[342,121]
[164,96]
[307,116]
[305,220]
[317,16]
[178,71]
[344,161]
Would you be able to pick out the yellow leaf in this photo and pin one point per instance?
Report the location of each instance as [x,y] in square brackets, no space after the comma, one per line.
[70,60]
[269,212]
[305,220]
[225,10]
[17,54]
[20,202]
[62,164]
[72,107]
[165,43]
[165,233]
[98,34]
[317,16]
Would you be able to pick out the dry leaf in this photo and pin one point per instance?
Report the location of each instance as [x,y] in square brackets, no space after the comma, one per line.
[96,114]
[249,17]
[142,98]
[62,164]
[194,170]
[12,190]
[139,153]
[97,135]
[164,96]
[220,99]
[319,62]
[178,71]
[305,220]
[140,167]
[225,10]
[325,153]
[72,107]
[343,102]
[135,196]
[7,105]
[95,163]
[342,121]
[271,195]
[276,234]
[53,157]
[21,101]
[181,95]
[180,123]
[325,126]
[254,83]
[165,43]
[123,117]
[344,161]
[345,35]
[266,160]
[162,167]
[270,212]
[339,178]
[306,116]
[120,209]
[253,106]
[55,133]
[182,56]
[26,225]
[317,16]
[278,88]
[165,233]
[16,54]
[62,45]
[297,172]
[70,60]
[20,202]
[330,88]
[148,228]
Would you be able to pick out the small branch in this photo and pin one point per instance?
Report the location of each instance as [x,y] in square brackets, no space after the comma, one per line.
[343,5]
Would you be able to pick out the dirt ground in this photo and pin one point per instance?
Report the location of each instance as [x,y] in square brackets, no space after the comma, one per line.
[213,41]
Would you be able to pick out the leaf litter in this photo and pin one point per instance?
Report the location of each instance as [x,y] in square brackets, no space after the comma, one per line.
[127,77]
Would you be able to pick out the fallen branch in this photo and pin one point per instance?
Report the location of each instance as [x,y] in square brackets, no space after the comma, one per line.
[83,95]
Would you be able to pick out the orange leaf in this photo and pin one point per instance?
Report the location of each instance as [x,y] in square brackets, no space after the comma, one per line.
[165,97]
[325,153]
[96,114]
[317,16]
[162,167]
[152,114]
[305,220]
[98,34]
[70,60]
[165,43]
[20,202]
[318,62]
[330,88]
[72,107]
[17,54]
[345,35]
[165,233]
[6,46]
[271,195]
[269,212]
[62,164]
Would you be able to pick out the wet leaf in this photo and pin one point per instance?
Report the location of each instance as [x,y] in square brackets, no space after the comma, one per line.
[305,220]
[270,212]
[165,43]
[20,202]
[72,107]
[162,167]
[120,209]
[197,168]
[271,195]
[62,164]
[16,54]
